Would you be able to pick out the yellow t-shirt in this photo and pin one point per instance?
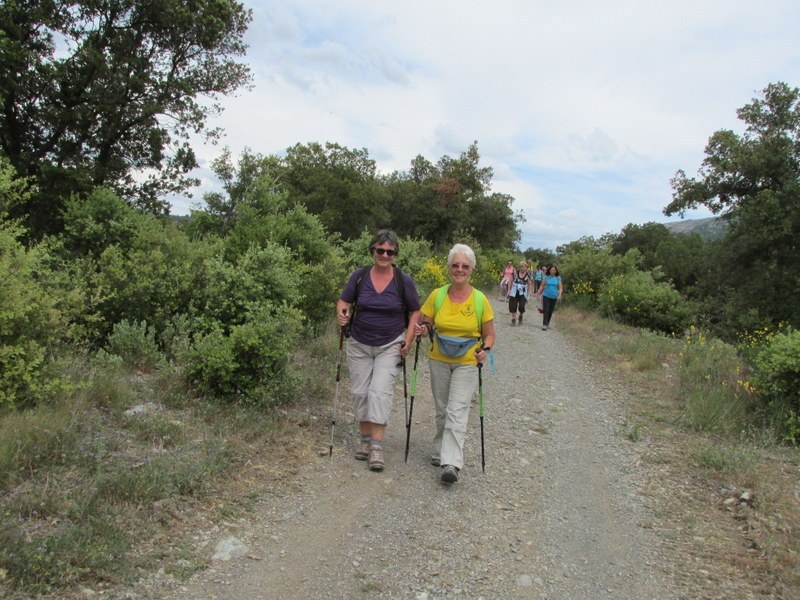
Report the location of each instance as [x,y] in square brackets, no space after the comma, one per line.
[457,320]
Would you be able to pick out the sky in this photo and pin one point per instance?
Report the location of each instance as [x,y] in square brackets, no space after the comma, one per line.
[583,109]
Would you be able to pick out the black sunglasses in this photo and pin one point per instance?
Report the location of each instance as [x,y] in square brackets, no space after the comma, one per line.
[382,251]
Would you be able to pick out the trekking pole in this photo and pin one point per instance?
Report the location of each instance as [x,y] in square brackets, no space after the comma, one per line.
[413,393]
[338,379]
[480,412]
[405,387]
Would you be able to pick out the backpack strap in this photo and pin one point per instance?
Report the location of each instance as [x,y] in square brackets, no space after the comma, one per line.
[441,294]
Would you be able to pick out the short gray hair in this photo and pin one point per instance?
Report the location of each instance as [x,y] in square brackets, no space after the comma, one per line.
[462,249]
[385,236]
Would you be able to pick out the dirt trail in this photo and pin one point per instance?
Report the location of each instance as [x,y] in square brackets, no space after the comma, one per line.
[559,513]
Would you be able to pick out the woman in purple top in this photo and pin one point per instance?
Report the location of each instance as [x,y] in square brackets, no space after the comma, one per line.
[378,340]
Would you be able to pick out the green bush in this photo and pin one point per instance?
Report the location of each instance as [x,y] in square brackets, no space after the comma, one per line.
[250,363]
[269,219]
[586,271]
[263,274]
[14,191]
[102,220]
[154,279]
[30,323]
[777,378]
[135,342]
[637,299]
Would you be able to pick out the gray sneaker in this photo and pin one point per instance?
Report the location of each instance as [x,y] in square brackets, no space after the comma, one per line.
[436,461]
[376,458]
[363,450]
[449,474]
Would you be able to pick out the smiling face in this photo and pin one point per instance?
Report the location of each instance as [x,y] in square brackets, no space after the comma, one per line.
[383,254]
[460,269]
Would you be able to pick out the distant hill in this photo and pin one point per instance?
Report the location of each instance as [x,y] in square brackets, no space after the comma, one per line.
[710,228]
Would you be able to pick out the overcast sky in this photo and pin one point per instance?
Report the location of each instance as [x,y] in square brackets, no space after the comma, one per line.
[584,109]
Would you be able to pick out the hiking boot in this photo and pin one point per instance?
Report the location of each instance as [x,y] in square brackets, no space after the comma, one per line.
[363,450]
[449,474]
[513,322]
[436,461]
[520,319]
[376,458]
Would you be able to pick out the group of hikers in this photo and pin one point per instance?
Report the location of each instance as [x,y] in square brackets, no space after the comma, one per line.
[518,284]
[381,313]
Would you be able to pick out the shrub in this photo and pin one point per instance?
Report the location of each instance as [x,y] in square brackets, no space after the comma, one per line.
[30,323]
[585,272]
[432,275]
[637,299]
[156,278]
[250,363]
[777,378]
[135,343]
[233,289]
[102,220]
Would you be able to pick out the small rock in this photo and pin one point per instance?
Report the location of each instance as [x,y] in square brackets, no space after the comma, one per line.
[525,581]
[229,548]
[142,409]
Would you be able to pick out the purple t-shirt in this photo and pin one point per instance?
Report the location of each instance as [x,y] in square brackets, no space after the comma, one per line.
[380,318]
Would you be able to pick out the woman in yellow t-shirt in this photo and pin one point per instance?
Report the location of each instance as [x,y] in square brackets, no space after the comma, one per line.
[460,343]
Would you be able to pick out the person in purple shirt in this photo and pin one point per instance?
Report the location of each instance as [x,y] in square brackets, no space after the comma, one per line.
[378,340]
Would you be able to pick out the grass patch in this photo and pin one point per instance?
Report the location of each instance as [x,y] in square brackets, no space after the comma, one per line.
[631,431]
[34,438]
[64,556]
[88,487]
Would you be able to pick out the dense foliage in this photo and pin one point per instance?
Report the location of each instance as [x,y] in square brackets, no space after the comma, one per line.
[753,179]
[95,93]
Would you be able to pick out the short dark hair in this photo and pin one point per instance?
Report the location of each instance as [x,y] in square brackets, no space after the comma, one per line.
[385,236]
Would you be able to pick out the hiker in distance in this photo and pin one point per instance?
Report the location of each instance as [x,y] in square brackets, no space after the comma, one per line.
[374,305]
[462,324]
[518,294]
[550,292]
[508,276]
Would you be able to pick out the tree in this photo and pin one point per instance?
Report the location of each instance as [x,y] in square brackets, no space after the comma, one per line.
[646,238]
[224,208]
[437,202]
[336,183]
[540,256]
[753,179]
[103,92]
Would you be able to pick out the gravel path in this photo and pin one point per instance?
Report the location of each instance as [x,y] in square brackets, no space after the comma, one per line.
[559,513]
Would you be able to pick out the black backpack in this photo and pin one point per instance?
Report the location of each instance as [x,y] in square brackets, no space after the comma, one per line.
[363,273]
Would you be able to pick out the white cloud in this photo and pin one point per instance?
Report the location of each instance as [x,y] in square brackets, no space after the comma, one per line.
[583,109]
